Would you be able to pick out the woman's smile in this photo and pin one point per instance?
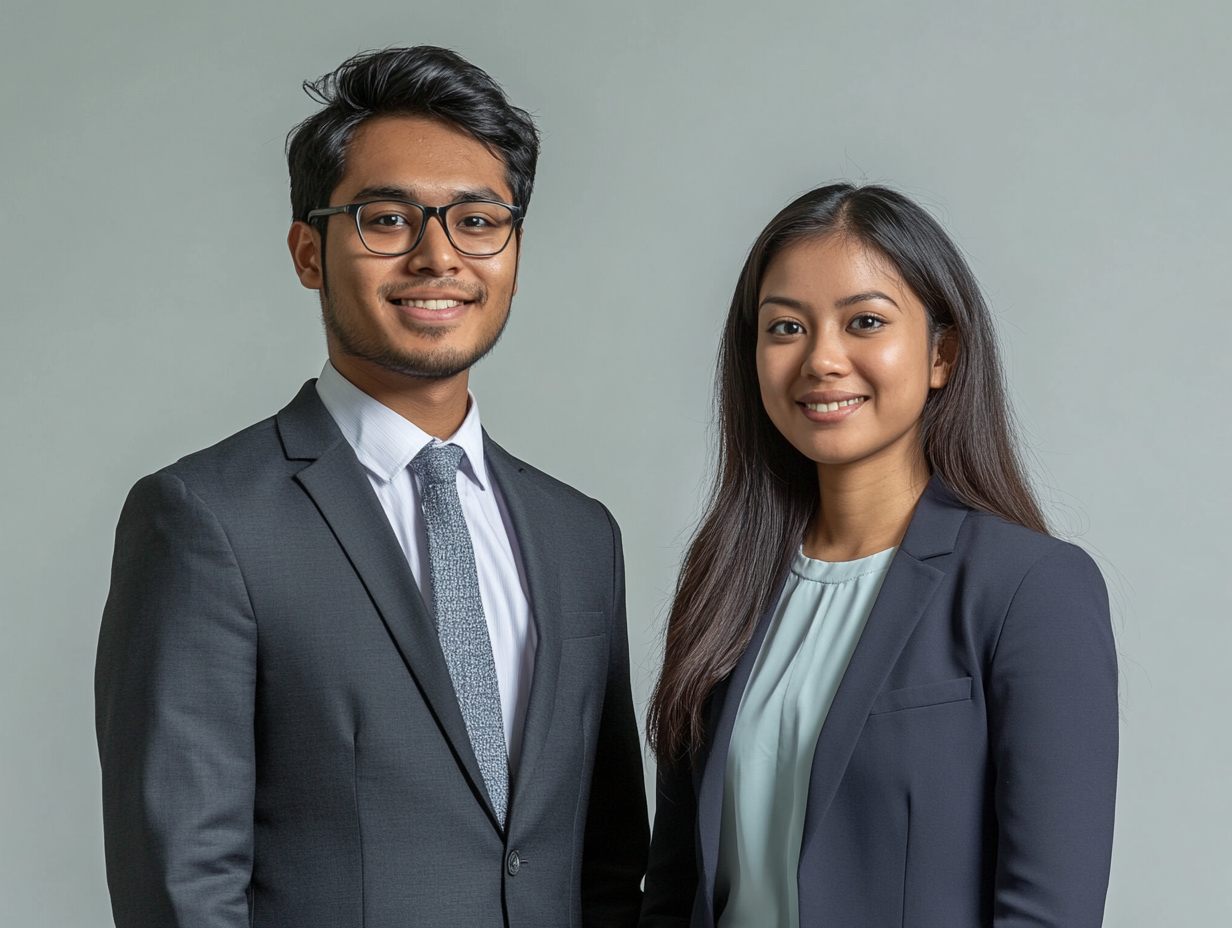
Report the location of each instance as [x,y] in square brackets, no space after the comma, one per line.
[830,408]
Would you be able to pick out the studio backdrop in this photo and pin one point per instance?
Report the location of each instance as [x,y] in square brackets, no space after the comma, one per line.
[1077,152]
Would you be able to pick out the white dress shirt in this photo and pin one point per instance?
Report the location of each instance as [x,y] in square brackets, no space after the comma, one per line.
[385,443]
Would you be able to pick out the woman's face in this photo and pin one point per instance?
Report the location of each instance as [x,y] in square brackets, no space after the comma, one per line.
[844,357]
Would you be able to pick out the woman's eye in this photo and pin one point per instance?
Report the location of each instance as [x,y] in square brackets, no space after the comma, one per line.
[865,322]
[785,327]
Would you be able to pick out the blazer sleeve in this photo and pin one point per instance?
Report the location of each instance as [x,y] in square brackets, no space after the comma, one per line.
[1053,718]
[174,691]
[617,830]
[671,875]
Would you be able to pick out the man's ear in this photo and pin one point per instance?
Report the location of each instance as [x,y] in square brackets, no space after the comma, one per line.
[305,244]
[517,259]
[944,357]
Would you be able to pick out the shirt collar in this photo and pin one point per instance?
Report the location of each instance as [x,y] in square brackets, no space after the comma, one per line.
[384,441]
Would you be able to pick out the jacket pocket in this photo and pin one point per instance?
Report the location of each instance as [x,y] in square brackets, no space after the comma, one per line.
[925,694]
[583,624]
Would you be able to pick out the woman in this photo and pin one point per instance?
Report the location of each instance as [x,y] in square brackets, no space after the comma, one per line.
[888,696]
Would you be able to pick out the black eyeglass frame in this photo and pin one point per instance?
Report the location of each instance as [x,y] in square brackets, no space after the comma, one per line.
[428,212]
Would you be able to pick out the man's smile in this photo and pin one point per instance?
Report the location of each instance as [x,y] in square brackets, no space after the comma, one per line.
[431,304]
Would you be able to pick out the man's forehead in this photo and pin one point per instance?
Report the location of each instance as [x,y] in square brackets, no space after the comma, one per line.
[419,156]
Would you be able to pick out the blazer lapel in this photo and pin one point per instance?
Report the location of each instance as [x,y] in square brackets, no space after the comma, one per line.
[908,587]
[725,703]
[338,485]
[536,543]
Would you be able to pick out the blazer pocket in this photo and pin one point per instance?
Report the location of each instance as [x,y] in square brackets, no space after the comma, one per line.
[926,694]
[583,624]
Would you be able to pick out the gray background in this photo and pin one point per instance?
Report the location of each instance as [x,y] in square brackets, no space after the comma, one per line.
[1078,153]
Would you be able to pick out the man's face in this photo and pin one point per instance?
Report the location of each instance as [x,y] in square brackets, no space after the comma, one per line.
[430,313]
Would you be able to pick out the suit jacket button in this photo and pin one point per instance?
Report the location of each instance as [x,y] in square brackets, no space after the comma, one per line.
[514,863]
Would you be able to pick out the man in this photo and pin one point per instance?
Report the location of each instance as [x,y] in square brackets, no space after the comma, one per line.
[359,665]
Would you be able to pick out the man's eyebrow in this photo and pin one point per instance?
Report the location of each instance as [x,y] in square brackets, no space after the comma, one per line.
[462,195]
[862,297]
[476,193]
[385,193]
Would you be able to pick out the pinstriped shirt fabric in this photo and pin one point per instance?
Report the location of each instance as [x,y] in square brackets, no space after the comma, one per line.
[385,444]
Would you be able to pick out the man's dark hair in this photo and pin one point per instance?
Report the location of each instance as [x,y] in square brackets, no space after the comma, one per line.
[420,81]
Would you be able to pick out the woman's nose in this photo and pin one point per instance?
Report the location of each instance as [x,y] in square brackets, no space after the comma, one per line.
[827,356]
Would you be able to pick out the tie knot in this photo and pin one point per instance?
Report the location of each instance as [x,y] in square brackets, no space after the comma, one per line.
[437,463]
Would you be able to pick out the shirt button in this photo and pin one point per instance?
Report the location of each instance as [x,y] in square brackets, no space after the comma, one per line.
[514,863]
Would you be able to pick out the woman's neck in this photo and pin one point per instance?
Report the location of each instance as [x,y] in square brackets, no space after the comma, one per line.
[865,506]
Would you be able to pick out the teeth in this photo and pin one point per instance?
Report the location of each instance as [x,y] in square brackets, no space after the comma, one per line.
[830,407]
[431,304]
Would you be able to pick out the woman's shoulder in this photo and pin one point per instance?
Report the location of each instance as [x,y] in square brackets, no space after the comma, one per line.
[984,545]
[990,545]
[1004,575]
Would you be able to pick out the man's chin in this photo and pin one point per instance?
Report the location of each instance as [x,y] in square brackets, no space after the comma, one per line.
[428,365]
[432,362]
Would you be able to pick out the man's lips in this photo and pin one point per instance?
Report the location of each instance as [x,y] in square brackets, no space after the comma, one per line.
[436,308]
[430,304]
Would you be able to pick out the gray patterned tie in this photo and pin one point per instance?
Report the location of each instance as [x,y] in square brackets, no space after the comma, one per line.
[458,612]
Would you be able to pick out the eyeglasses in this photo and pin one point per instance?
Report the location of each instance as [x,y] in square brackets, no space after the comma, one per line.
[476,228]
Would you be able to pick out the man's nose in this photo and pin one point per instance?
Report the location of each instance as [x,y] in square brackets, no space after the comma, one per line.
[435,255]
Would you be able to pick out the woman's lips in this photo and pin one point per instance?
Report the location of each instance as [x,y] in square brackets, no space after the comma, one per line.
[835,411]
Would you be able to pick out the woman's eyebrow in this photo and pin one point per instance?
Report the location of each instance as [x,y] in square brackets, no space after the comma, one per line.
[862,297]
[787,301]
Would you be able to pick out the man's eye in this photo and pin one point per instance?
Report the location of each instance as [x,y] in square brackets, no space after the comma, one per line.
[474,221]
[786,327]
[866,322]
[389,220]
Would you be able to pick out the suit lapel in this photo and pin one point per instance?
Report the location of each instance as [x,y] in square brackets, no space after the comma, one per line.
[536,543]
[339,487]
[907,589]
[725,703]
[909,586]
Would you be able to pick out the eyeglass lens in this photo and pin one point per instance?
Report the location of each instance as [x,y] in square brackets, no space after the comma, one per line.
[388,227]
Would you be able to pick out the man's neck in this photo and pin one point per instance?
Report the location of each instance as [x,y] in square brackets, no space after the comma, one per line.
[436,405]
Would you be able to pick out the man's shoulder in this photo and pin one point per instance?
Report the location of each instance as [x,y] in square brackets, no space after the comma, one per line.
[233,460]
[256,458]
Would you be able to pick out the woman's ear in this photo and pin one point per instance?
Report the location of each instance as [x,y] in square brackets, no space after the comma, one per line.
[945,354]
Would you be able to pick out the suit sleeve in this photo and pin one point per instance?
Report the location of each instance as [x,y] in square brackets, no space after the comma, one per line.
[671,875]
[617,829]
[174,691]
[1053,715]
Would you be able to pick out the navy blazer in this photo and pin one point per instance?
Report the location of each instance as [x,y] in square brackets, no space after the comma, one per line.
[966,772]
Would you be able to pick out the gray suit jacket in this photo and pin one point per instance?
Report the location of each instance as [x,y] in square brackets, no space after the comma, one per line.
[279,737]
[966,773]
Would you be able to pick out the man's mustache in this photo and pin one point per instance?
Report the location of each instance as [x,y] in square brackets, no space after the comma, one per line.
[452,286]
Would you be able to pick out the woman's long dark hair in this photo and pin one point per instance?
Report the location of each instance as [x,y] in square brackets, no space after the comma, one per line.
[765,491]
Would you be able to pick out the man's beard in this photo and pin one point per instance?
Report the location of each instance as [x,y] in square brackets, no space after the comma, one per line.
[436,365]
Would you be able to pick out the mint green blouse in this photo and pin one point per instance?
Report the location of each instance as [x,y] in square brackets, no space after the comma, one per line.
[816,626]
